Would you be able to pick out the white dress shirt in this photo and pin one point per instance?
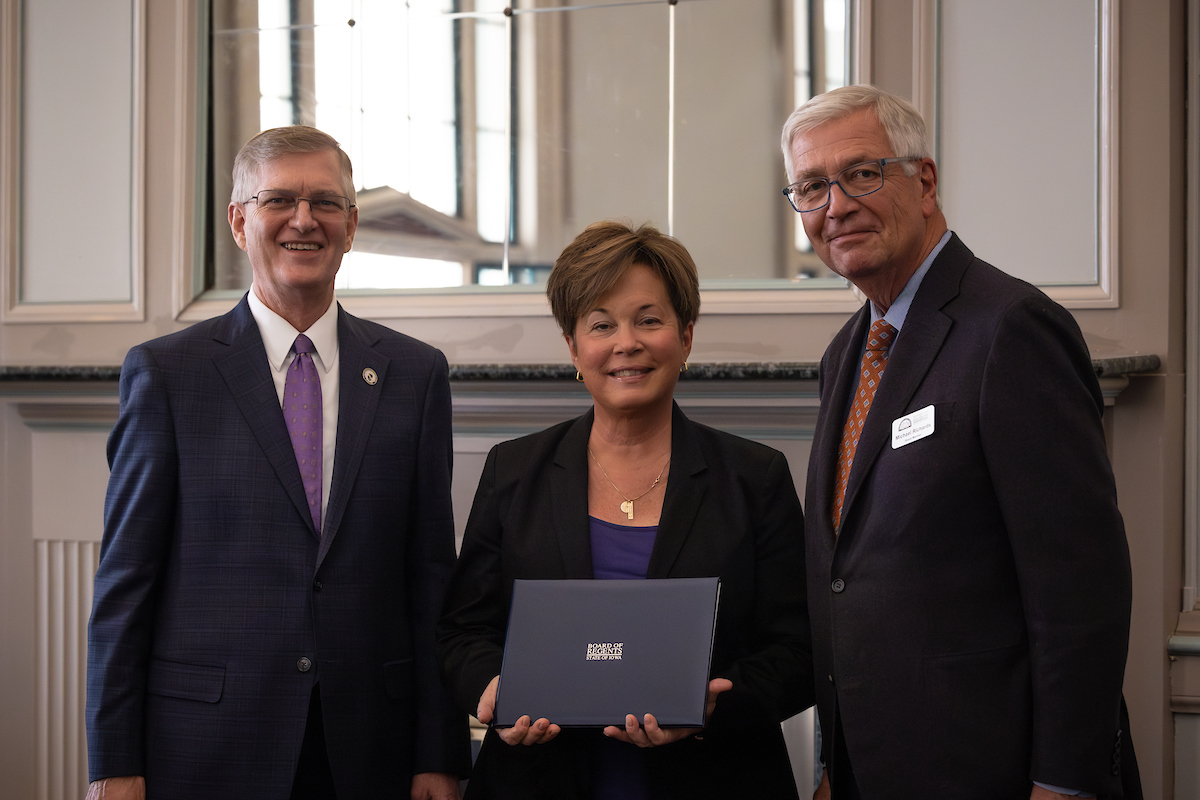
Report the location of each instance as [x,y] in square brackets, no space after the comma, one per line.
[278,336]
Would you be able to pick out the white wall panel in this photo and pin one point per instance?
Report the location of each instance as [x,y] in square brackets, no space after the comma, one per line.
[70,477]
[1018,114]
[77,151]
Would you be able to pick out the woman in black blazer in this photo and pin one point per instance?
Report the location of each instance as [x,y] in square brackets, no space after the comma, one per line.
[633,489]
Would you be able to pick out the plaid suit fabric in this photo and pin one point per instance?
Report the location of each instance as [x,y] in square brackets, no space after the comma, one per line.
[218,606]
[874,361]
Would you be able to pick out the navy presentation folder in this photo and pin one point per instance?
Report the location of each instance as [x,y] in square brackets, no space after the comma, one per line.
[584,653]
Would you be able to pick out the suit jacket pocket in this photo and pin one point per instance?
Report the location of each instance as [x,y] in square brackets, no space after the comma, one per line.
[976,715]
[398,678]
[998,669]
[186,681]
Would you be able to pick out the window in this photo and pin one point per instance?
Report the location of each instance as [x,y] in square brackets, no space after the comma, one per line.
[820,63]
[482,142]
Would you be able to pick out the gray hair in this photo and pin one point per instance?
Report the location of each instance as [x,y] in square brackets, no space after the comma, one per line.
[276,142]
[903,124]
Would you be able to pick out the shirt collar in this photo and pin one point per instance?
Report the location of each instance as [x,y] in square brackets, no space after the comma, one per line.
[278,335]
[898,311]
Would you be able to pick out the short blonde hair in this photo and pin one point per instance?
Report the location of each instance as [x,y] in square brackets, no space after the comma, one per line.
[271,144]
[592,265]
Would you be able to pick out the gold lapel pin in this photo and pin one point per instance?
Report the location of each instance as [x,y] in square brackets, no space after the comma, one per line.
[370,376]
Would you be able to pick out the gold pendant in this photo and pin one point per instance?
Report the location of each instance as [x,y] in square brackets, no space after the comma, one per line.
[627,507]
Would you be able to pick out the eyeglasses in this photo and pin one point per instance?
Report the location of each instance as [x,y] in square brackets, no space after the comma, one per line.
[856,180]
[277,201]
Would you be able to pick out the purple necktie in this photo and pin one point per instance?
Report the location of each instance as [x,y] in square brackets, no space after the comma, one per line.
[302,411]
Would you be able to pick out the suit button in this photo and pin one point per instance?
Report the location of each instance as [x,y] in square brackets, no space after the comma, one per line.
[304,665]
[317,586]
[838,585]
[831,679]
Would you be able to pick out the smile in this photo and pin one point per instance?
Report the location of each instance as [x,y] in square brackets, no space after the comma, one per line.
[847,235]
[628,373]
[301,246]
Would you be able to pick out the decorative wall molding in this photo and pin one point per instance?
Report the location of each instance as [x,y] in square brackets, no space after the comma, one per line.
[1191,514]
[11,267]
[1108,225]
[862,67]
[11,79]
[51,549]
[1184,650]
[925,14]
[10,149]
[190,77]
[1104,292]
[54,414]
[64,573]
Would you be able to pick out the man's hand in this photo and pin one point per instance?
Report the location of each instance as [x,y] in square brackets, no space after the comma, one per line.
[651,735]
[524,731]
[823,792]
[132,787]
[434,786]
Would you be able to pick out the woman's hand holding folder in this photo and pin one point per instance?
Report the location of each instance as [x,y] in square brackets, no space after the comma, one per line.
[653,736]
[527,732]
[523,732]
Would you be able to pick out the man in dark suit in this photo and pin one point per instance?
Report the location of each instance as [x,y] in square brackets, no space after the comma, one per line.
[270,577]
[968,573]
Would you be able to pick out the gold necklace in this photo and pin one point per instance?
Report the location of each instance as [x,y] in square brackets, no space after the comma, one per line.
[627,506]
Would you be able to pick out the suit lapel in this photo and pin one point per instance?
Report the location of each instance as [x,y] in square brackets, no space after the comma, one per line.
[686,487]
[835,402]
[247,375]
[568,498]
[925,330]
[357,404]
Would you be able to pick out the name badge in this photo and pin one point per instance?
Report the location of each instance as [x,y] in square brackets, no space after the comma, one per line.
[909,429]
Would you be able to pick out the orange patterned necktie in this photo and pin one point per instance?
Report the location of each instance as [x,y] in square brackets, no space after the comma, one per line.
[874,361]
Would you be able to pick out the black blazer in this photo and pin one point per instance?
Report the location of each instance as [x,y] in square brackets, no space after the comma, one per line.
[730,510]
[213,584]
[970,620]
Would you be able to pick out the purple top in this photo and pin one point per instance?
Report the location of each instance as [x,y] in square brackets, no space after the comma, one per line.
[619,552]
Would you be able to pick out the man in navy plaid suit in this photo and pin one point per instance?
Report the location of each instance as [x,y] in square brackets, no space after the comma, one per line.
[272,566]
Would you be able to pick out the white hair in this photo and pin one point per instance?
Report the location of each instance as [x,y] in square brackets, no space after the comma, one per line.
[903,124]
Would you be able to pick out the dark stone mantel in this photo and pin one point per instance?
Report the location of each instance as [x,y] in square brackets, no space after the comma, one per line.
[757,371]
[740,371]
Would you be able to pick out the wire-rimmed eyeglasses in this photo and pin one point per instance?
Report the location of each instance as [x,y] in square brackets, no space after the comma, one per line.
[856,180]
[279,201]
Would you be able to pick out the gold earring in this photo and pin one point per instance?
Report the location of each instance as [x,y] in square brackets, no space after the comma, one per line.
[578,377]
[684,367]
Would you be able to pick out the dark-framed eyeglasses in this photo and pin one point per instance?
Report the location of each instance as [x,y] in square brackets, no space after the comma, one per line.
[856,180]
[279,201]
